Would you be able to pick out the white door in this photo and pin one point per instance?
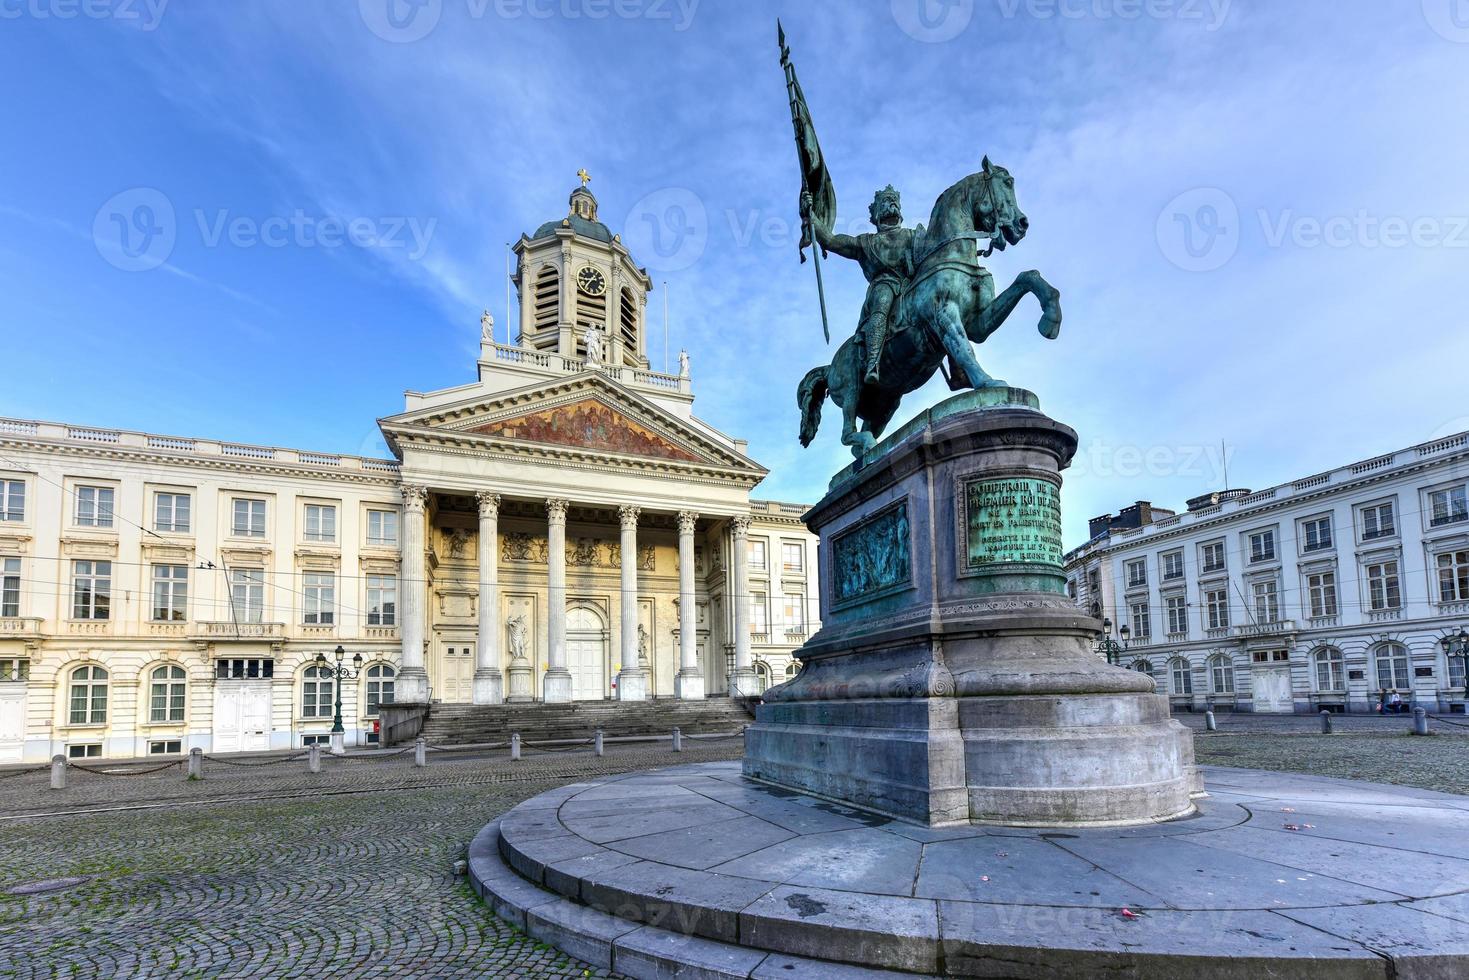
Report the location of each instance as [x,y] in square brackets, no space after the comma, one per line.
[12,721]
[241,716]
[586,654]
[1272,690]
[455,681]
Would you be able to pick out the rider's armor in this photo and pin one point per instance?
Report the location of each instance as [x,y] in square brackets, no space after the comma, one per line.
[887,263]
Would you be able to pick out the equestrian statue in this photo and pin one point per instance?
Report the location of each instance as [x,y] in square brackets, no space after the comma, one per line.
[928,297]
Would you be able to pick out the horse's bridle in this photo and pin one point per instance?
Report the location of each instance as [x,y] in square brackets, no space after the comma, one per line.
[994,210]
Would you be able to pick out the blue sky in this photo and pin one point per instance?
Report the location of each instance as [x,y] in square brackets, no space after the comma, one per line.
[1256,211]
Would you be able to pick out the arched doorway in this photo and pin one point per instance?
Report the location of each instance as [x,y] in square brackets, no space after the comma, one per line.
[586,653]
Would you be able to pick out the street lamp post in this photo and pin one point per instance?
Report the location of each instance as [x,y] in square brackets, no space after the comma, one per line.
[339,673]
[1109,647]
[1457,645]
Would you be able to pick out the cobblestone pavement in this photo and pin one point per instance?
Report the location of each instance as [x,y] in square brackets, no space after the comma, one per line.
[1245,721]
[1436,762]
[275,872]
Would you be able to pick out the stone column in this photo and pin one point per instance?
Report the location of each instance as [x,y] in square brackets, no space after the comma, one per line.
[689,684]
[632,681]
[489,682]
[411,686]
[742,682]
[557,683]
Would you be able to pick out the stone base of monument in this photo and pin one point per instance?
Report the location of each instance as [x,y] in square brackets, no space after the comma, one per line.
[953,680]
[697,871]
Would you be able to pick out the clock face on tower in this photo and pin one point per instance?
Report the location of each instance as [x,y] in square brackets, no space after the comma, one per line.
[590,281]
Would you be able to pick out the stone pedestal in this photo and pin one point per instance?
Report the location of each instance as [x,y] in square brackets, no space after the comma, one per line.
[953,680]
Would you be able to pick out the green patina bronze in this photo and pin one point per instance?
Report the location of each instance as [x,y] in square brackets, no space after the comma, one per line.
[928,298]
[870,559]
[1012,520]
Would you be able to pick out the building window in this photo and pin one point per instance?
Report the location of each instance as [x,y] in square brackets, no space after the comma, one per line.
[757,553]
[247,595]
[1094,580]
[1321,587]
[91,590]
[321,523]
[90,751]
[792,557]
[793,611]
[1378,522]
[1142,621]
[1143,667]
[1384,589]
[1453,576]
[1183,678]
[1316,534]
[1448,506]
[1262,546]
[12,500]
[309,740]
[1267,601]
[1216,604]
[94,507]
[168,746]
[382,528]
[379,688]
[1177,606]
[1330,669]
[1212,556]
[1392,668]
[170,593]
[1137,573]
[316,693]
[1172,566]
[10,587]
[759,613]
[244,669]
[88,696]
[249,518]
[1221,675]
[320,591]
[382,600]
[14,669]
[171,512]
[1456,672]
[166,695]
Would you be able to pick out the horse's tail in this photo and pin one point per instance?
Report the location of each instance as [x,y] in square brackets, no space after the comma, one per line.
[810,395]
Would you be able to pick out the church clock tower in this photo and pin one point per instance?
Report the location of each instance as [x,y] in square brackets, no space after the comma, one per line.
[574,276]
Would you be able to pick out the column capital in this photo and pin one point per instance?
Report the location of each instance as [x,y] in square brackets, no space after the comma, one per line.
[415,497]
[740,525]
[489,503]
[556,510]
[686,521]
[628,514]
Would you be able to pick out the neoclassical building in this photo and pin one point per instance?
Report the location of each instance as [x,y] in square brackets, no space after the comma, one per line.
[561,528]
[1323,593]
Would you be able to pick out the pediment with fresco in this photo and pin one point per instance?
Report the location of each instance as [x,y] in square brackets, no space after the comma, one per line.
[588,424]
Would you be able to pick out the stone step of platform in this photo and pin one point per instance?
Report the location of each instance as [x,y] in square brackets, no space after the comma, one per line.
[463,724]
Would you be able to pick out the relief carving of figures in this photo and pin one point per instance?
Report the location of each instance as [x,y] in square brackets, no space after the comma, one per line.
[519,546]
[456,541]
[583,553]
[647,558]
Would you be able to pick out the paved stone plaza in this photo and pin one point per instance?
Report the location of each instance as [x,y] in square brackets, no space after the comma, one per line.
[270,871]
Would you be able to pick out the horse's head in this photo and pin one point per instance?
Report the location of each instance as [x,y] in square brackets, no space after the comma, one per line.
[994,209]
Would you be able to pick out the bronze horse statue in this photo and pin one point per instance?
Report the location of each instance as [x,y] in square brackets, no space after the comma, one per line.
[949,304]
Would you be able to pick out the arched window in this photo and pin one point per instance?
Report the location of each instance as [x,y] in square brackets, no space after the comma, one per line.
[379,687]
[1181,675]
[1331,672]
[88,696]
[627,314]
[1393,673]
[1143,667]
[166,694]
[793,668]
[762,675]
[316,693]
[546,300]
[1221,674]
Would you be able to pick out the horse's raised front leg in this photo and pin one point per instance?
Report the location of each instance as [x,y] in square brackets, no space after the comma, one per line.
[1029,283]
[960,351]
[1050,300]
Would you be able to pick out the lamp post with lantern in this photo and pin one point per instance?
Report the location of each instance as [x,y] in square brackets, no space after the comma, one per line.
[1457,645]
[338,672]
[1109,647]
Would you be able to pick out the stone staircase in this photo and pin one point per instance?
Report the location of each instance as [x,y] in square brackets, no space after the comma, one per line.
[465,724]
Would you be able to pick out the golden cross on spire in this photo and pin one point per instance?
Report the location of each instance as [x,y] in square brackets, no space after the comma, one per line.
[582,173]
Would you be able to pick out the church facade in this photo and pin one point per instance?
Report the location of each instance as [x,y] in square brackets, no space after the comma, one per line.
[561,528]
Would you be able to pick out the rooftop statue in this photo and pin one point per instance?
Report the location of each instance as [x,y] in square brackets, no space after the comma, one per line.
[928,298]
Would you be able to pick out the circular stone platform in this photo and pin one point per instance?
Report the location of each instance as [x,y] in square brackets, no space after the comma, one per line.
[699,870]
